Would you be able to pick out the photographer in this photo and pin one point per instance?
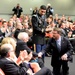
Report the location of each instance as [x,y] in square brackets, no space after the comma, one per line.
[17,10]
[49,10]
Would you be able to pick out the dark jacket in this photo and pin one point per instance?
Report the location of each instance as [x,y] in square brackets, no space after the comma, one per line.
[66,47]
[11,68]
[17,11]
[38,23]
[23,46]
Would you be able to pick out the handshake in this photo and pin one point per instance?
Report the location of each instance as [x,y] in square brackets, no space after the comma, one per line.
[40,54]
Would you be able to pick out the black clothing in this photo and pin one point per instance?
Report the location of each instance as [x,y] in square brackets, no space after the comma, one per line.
[39,24]
[17,31]
[56,61]
[23,46]
[17,11]
[11,68]
[49,11]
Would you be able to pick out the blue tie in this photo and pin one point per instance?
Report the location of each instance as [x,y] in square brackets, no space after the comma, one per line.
[58,46]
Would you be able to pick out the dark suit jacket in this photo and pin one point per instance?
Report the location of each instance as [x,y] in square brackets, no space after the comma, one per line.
[66,47]
[10,68]
[23,46]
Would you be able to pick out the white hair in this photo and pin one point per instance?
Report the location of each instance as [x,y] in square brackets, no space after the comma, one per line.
[23,35]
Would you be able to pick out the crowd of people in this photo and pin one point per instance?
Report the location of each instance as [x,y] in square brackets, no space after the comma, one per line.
[18,58]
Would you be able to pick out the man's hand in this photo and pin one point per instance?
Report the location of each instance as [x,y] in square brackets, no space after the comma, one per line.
[23,55]
[29,57]
[64,57]
[40,54]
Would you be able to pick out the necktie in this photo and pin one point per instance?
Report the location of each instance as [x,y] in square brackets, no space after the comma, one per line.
[59,45]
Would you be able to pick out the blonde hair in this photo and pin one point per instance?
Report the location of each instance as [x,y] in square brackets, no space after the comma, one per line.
[9,40]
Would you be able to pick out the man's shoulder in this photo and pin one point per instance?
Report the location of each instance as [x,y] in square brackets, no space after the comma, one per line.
[35,16]
[51,40]
[20,42]
[3,61]
[64,38]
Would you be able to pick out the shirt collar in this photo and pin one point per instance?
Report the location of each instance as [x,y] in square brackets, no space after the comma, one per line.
[59,40]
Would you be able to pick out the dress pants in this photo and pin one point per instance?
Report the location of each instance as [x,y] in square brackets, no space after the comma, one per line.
[61,69]
[44,71]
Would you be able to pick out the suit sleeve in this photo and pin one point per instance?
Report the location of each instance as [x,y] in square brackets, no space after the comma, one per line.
[35,23]
[15,69]
[70,48]
[14,9]
[48,47]
[29,50]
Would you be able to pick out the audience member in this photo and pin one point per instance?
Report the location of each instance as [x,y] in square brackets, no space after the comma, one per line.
[23,38]
[35,11]
[10,67]
[18,29]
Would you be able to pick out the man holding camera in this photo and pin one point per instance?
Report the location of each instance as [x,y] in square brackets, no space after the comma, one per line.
[17,10]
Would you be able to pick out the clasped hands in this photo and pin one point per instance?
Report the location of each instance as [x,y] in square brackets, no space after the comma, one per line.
[63,57]
[24,56]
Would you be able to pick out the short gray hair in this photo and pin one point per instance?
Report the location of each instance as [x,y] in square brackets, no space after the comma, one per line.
[22,35]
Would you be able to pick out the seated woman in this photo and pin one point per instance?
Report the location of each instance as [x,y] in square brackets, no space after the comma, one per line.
[11,65]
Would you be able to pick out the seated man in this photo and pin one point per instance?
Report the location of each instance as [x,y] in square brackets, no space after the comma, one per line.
[9,67]
[23,38]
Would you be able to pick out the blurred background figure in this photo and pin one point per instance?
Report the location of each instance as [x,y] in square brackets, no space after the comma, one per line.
[17,10]
[49,10]
[35,11]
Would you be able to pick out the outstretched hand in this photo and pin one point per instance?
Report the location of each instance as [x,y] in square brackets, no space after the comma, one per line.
[39,54]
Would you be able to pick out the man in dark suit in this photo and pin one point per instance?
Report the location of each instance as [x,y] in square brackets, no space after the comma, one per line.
[61,52]
[10,67]
[22,45]
[39,25]
[17,10]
